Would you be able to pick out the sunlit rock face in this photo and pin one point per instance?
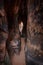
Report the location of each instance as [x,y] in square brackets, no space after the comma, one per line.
[35,30]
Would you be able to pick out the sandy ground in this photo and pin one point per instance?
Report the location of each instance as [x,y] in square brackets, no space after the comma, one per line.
[20,59]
